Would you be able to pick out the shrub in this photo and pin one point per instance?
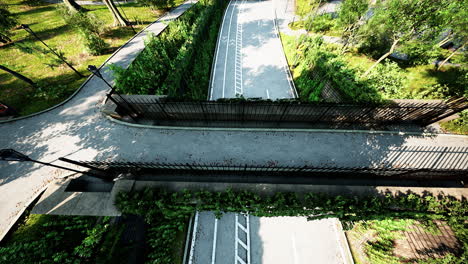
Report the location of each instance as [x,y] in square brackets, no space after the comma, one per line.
[420,53]
[325,66]
[372,40]
[33,2]
[7,21]
[320,23]
[89,27]
[157,4]
[389,79]
[177,62]
[94,45]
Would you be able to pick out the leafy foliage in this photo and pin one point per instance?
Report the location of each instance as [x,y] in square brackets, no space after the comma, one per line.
[157,4]
[350,18]
[388,78]
[319,23]
[55,239]
[177,62]
[459,125]
[7,21]
[323,66]
[89,27]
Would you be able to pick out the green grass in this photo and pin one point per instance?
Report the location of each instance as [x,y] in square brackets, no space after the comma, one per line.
[457,126]
[383,233]
[303,7]
[49,26]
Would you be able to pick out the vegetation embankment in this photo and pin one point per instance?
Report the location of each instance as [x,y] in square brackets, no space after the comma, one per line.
[83,39]
[63,239]
[85,239]
[385,50]
[166,213]
[177,63]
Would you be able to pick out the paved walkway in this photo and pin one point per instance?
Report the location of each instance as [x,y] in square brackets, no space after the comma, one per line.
[78,130]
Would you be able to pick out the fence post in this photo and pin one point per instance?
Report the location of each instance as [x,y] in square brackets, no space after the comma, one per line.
[162,109]
[284,112]
[203,111]
[109,96]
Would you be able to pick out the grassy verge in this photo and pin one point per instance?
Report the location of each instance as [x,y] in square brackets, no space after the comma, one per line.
[60,82]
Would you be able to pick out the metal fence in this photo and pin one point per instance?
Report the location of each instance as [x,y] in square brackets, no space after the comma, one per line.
[282,171]
[420,112]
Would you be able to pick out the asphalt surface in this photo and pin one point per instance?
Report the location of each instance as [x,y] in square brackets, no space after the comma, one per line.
[249,60]
[272,240]
[78,130]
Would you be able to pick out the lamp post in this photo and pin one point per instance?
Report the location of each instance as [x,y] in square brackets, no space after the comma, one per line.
[30,31]
[93,69]
[13,155]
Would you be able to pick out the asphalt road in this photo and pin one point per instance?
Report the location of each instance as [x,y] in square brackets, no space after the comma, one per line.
[269,240]
[249,60]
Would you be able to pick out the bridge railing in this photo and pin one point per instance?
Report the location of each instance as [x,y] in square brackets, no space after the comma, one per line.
[419,112]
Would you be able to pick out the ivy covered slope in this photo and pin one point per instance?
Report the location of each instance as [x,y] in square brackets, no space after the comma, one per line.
[167,213]
[177,63]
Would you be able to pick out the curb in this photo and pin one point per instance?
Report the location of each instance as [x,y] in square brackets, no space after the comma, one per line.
[309,130]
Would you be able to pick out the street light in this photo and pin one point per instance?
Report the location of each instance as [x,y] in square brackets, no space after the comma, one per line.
[13,155]
[30,31]
[94,70]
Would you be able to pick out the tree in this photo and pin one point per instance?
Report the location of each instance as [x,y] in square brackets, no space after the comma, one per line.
[18,75]
[7,21]
[73,6]
[456,20]
[350,17]
[404,20]
[118,18]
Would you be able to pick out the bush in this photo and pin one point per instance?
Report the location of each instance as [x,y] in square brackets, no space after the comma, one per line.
[89,27]
[94,44]
[389,79]
[157,4]
[325,66]
[33,2]
[177,63]
[320,23]
[373,40]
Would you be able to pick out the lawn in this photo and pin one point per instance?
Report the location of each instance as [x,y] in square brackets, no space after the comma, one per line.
[58,83]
